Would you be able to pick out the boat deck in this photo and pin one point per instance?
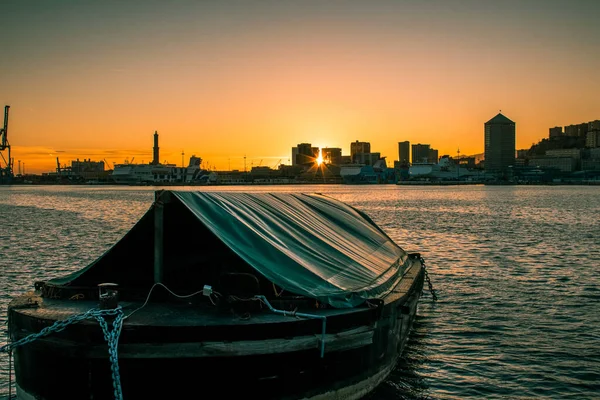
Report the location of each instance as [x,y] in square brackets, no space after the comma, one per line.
[186,314]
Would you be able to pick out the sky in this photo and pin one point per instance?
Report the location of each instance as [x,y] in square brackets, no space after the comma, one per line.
[228,79]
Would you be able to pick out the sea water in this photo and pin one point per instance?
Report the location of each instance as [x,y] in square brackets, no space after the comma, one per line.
[515,268]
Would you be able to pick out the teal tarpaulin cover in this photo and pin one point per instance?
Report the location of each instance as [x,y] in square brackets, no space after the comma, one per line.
[308,244]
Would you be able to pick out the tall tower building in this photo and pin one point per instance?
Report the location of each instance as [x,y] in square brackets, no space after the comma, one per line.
[155,159]
[420,153]
[499,144]
[305,154]
[404,152]
[359,147]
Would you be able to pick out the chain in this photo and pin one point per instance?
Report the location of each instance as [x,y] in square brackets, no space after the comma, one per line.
[112,338]
[431,289]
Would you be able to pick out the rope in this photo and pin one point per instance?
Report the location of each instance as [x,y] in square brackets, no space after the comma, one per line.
[111,337]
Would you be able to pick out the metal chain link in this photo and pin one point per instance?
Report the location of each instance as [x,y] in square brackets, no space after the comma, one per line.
[111,337]
[431,290]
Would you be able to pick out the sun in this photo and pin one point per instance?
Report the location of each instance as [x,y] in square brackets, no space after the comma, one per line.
[319,159]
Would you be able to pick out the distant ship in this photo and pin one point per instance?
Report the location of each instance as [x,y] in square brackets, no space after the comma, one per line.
[444,169]
[155,172]
[366,174]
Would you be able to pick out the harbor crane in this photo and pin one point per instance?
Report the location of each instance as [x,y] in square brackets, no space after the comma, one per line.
[7,171]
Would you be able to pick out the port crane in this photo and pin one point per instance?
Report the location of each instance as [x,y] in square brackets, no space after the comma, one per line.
[7,171]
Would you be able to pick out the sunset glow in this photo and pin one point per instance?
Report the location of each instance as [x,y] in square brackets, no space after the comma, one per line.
[228,80]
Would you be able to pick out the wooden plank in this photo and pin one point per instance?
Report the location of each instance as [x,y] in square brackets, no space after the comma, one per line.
[346,340]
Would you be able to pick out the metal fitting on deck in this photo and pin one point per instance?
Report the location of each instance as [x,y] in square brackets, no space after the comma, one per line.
[108,295]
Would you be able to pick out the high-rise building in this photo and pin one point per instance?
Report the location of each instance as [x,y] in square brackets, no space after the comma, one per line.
[420,153]
[500,149]
[332,155]
[593,139]
[404,152]
[555,132]
[578,130]
[359,147]
[433,156]
[305,154]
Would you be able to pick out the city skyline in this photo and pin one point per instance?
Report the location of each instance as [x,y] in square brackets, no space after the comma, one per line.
[226,80]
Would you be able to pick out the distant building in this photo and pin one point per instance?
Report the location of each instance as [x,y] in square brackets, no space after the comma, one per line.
[359,147]
[420,153]
[590,165]
[592,162]
[555,132]
[294,155]
[305,154]
[578,130]
[571,153]
[332,155]
[433,156]
[367,158]
[594,125]
[404,152]
[500,137]
[466,162]
[593,139]
[522,153]
[79,167]
[564,164]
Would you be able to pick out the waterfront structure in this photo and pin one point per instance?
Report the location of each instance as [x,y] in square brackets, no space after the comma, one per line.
[404,152]
[445,169]
[378,172]
[592,162]
[564,164]
[500,149]
[359,147]
[88,169]
[155,172]
[367,158]
[6,163]
[569,153]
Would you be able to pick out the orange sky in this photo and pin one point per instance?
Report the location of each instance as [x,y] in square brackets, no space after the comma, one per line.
[226,79]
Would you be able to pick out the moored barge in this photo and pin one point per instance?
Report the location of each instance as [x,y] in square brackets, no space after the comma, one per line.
[268,295]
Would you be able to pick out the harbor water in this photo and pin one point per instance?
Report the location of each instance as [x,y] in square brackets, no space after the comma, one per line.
[515,269]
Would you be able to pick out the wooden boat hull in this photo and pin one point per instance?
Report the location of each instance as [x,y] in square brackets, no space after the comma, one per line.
[267,356]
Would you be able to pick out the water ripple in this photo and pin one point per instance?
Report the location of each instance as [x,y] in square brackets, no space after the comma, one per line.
[515,269]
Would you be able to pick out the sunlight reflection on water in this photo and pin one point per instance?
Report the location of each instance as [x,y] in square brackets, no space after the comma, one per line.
[514,267]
